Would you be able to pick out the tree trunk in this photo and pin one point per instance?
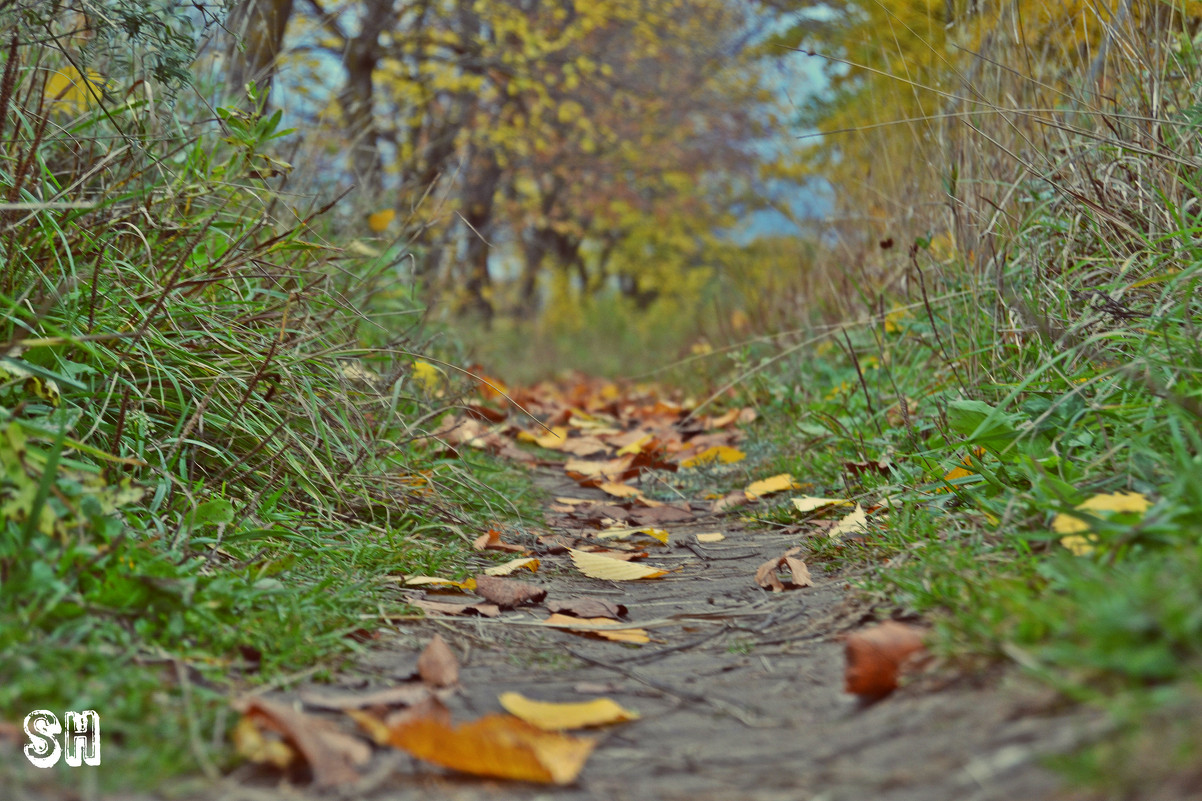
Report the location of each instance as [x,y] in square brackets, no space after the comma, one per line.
[256,37]
[360,58]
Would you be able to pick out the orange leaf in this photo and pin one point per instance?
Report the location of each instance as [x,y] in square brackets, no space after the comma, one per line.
[498,746]
[875,656]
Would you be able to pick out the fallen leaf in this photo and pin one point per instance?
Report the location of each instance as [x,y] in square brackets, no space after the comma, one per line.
[1112,503]
[657,534]
[332,756]
[602,567]
[661,514]
[483,610]
[587,607]
[585,471]
[508,593]
[530,563]
[638,446]
[766,577]
[498,746]
[715,536]
[730,501]
[491,541]
[875,657]
[718,454]
[618,490]
[854,523]
[552,716]
[1080,545]
[440,583]
[767,486]
[254,744]
[437,665]
[809,503]
[597,627]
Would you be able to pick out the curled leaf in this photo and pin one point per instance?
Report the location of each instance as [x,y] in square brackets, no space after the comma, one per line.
[602,567]
[766,574]
[551,716]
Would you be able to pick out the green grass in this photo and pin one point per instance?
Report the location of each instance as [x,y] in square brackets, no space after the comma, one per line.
[210,438]
[1073,373]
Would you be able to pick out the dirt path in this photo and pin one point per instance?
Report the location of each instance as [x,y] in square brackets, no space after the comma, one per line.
[740,694]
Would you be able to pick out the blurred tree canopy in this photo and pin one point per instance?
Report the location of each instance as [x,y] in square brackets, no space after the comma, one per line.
[556,148]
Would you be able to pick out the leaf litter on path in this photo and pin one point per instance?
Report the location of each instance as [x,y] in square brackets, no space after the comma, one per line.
[701,608]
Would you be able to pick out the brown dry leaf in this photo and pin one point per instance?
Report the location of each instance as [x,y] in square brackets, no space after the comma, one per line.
[491,541]
[530,563]
[877,655]
[622,556]
[551,716]
[497,746]
[730,501]
[332,756]
[597,627]
[587,607]
[585,471]
[854,523]
[661,514]
[583,446]
[508,593]
[603,567]
[765,574]
[437,664]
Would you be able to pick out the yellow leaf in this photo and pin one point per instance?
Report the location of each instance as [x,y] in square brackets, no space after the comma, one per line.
[602,567]
[718,454]
[429,376]
[809,503]
[551,716]
[379,221]
[530,563]
[636,446]
[618,490]
[420,581]
[498,746]
[716,536]
[1080,546]
[597,627]
[622,533]
[72,91]
[767,486]
[856,522]
[1116,503]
